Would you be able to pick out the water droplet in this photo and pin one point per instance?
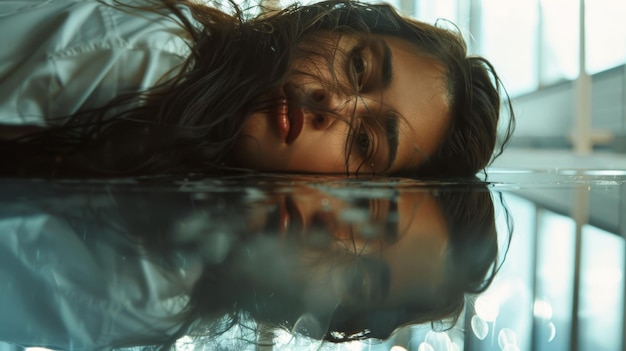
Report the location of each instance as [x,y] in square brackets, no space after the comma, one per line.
[425,347]
[542,309]
[487,308]
[506,337]
[438,340]
[479,327]
[552,329]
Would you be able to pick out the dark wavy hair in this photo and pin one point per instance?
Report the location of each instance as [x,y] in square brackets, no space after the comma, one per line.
[190,122]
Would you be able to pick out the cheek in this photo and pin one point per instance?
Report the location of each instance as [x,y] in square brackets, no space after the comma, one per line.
[254,138]
[319,153]
[256,125]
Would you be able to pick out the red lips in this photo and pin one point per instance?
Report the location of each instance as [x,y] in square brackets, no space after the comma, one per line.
[296,120]
[282,118]
[290,120]
[290,218]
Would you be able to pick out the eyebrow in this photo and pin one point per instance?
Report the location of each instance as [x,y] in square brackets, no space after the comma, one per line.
[391,132]
[386,66]
[391,118]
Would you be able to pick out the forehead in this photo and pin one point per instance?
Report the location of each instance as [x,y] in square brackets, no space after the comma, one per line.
[417,259]
[418,93]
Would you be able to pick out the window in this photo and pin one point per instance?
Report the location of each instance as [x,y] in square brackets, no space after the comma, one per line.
[431,11]
[559,41]
[606,34]
[507,36]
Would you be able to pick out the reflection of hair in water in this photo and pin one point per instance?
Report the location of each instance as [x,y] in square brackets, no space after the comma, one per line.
[221,300]
[189,124]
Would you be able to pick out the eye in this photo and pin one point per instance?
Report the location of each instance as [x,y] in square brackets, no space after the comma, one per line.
[358,71]
[363,143]
[358,66]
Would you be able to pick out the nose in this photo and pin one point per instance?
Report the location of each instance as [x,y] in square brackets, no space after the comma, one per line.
[324,116]
[320,119]
[338,107]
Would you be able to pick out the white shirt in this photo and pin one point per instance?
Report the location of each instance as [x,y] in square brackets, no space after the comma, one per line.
[58,57]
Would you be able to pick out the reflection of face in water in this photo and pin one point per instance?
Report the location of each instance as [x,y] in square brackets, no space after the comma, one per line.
[378,253]
[356,259]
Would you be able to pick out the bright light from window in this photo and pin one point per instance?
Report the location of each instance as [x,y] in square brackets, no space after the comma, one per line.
[559,40]
[508,38]
[606,34]
[431,11]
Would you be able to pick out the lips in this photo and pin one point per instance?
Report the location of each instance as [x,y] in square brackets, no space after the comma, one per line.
[290,120]
[290,217]
[296,119]
[283,120]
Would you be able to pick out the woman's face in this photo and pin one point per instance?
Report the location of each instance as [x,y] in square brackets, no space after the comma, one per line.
[390,95]
[332,257]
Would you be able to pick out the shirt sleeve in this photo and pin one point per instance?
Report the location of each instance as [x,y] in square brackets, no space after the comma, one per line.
[66,56]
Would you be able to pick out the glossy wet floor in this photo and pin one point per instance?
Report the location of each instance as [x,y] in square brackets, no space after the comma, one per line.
[91,264]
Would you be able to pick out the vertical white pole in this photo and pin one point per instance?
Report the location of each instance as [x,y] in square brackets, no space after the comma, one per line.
[582,138]
[540,43]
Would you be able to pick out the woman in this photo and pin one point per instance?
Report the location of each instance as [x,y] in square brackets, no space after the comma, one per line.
[114,89]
